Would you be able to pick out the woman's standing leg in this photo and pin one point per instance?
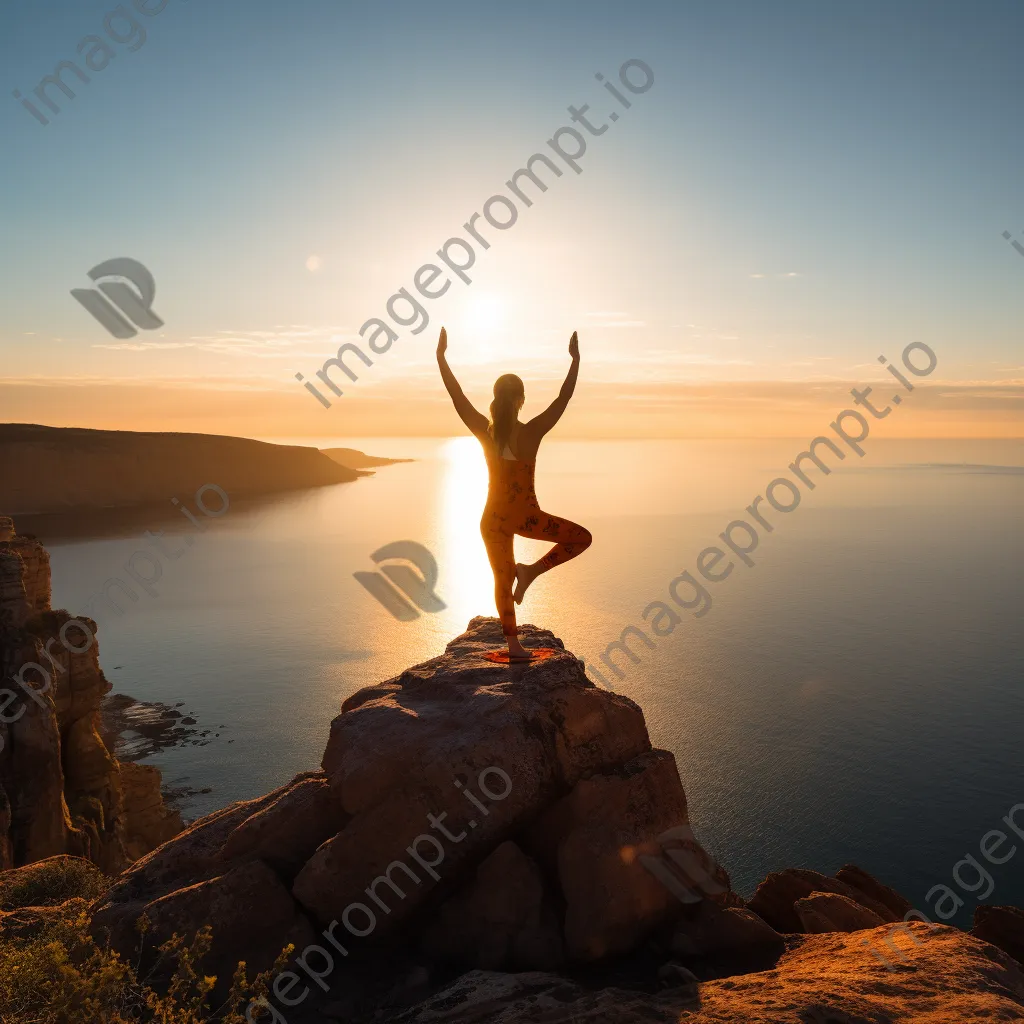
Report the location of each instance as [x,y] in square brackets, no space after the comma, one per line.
[500,554]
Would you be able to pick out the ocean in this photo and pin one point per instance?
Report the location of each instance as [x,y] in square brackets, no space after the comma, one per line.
[853,696]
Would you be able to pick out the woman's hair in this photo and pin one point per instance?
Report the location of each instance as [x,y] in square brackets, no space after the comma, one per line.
[509,395]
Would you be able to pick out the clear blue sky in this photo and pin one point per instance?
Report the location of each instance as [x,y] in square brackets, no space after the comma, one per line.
[805,185]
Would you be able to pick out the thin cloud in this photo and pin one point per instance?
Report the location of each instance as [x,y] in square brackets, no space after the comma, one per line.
[145,346]
[293,341]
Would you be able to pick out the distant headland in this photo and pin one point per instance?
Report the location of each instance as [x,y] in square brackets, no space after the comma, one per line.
[61,469]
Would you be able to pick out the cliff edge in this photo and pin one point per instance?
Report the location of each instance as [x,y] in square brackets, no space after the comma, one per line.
[61,789]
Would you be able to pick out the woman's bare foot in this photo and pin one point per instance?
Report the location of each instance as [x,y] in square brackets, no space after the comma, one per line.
[525,575]
[516,651]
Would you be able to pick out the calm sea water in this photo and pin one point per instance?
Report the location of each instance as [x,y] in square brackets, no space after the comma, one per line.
[855,696]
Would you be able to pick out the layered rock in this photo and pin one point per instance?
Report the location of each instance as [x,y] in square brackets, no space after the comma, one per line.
[61,790]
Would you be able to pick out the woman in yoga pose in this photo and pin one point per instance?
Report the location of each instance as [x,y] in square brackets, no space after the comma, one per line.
[510,448]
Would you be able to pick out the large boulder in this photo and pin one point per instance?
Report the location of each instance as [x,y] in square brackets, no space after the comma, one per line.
[830,912]
[1003,927]
[457,714]
[775,897]
[290,827]
[251,914]
[850,874]
[501,920]
[708,932]
[598,837]
[210,848]
[400,753]
[416,830]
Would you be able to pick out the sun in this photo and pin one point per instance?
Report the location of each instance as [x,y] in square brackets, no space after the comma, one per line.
[484,314]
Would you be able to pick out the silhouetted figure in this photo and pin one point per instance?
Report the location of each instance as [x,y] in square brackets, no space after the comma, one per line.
[510,448]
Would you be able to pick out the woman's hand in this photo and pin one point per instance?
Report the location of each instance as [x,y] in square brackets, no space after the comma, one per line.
[574,346]
[442,343]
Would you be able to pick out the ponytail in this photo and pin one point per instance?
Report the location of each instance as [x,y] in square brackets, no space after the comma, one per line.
[509,394]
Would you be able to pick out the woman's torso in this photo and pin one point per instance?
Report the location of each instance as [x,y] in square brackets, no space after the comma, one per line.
[510,476]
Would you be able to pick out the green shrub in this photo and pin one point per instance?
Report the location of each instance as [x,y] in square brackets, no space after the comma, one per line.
[61,976]
[47,883]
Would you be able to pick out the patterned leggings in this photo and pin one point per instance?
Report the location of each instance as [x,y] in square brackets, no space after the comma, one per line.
[498,529]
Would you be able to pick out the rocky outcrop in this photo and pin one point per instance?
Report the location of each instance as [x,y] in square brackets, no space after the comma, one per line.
[1003,927]
[61,790]
[148,821]
[950,978]
[500,918]
[707,932]
[478,814]
[505,821]
[595,839]
[857,877]
[776,897]
[829,912]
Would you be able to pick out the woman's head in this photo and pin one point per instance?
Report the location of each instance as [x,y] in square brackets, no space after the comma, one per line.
[509,395]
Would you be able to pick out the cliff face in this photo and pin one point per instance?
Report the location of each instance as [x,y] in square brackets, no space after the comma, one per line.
[515,823]
[61,790]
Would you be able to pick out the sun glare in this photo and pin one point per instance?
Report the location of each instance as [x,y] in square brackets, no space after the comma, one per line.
[469,584]
[484,314]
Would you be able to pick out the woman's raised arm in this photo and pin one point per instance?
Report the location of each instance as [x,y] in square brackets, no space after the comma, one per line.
[475,421]
[543,422]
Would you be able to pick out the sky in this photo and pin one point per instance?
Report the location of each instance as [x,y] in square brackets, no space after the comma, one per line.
[798,189]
